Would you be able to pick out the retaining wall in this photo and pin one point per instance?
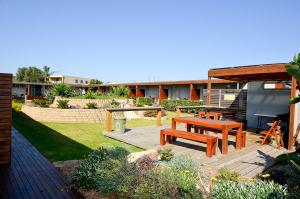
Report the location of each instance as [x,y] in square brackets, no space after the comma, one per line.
[100,102]
[66,115]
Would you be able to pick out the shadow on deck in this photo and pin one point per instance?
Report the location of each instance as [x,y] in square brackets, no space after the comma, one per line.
[30,174]
[249,161]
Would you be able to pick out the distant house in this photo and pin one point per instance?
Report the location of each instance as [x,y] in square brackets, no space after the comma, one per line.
[71,80]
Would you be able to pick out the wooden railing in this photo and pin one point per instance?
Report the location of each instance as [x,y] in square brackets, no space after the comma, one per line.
[5,117]
[109,111]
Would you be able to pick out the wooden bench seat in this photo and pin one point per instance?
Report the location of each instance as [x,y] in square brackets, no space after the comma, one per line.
[212,142]
[216,130]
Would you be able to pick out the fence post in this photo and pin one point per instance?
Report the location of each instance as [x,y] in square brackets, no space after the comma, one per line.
[158,121]
[108,120]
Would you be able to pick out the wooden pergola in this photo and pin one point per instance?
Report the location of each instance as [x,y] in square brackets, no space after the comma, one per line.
[264,72]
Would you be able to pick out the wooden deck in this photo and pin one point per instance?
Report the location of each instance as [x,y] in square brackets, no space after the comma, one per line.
[30,174]
[249,161]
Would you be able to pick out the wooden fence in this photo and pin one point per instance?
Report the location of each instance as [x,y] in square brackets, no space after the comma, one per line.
[233,99]
[5,117]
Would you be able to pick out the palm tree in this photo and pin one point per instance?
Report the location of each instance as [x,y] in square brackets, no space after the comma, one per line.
[47,73]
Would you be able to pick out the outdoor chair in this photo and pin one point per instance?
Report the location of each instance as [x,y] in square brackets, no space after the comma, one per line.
[275,132]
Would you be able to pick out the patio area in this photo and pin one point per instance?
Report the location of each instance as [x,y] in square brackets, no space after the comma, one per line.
[249,161]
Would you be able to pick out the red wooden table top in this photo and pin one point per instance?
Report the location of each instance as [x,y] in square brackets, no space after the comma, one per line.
[207,122]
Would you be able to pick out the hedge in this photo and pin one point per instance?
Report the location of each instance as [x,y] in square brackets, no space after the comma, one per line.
[142,101]
[170,105]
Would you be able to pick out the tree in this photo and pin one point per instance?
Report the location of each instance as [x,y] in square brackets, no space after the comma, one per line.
[21,74]
[47,73]
[96,81]
[31,74]
[293,68]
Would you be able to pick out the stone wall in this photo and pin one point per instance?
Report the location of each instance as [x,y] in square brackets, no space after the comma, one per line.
[66,115]
[100,102]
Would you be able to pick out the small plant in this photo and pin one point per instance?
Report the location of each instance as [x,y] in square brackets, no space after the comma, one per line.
[63,104]
[145,163]
[165,154]
[40,102]
[179,179]
[104,170]
[17,105]
[63,90]
[114,104]
[121,91]
[91,105]
[50,96]
[257,190]
[144,101]
[225,175]
[90,95]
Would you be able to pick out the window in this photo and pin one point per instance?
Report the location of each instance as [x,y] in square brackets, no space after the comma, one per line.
[86,82]
[76,81]
[81,81]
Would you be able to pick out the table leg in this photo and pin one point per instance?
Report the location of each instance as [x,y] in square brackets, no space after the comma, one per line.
[239,140]
[173,125]
[224,140]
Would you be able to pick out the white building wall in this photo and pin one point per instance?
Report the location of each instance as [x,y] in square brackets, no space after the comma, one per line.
[151,91]
[19,90]
[260,100]
[179,92]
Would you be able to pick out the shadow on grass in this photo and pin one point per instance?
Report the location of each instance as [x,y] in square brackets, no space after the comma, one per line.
[52,144]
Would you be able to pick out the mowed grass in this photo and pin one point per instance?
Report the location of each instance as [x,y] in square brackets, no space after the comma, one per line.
[69,141]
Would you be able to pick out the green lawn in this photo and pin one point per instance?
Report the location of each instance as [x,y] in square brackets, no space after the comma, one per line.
[67,141]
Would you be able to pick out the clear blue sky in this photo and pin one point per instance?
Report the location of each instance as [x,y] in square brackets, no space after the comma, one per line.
[146,40]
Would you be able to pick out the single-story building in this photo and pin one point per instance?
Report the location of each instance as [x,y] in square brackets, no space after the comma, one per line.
[191,89]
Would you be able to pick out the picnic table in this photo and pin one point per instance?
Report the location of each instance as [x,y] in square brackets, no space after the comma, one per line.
[214,125]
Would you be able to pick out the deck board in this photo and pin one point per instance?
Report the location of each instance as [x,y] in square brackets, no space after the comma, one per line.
[30,174]
[249,161]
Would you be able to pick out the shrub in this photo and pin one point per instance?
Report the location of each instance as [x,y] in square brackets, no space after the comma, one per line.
[225,175]
[104,170]
[170,105]
[40,102]
[165,154]
[114,104]
[142,101]
[255,190]
[50,96]
[145,163]
[63,104]
[91,105]
[121,91]
[107,171]
[63,90]
[90,95]
[179,179]
[17,105]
